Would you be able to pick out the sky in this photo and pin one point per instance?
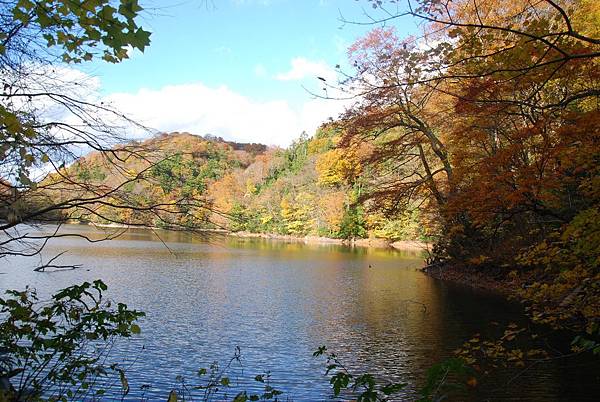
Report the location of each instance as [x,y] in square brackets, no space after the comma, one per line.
[240,69]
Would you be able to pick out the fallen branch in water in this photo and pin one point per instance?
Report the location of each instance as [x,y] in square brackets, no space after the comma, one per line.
[42,268]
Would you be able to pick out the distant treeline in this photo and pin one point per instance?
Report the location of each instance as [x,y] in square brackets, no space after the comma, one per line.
[312,187]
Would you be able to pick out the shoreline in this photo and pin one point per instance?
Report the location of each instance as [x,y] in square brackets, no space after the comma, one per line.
[369,242]
[474,279]
[414,245]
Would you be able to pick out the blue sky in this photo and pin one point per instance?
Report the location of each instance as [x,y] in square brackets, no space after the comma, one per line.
[253,57]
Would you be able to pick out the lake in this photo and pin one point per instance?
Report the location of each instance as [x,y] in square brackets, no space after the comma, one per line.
[278,302]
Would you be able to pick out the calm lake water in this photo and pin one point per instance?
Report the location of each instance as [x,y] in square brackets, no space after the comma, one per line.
[278,302]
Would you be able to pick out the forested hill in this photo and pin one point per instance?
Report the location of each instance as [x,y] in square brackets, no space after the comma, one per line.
[309,188]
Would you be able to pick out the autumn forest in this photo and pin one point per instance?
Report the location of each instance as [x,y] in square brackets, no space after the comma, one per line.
[479,137]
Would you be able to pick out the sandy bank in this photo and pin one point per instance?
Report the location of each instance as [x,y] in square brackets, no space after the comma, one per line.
[372,242]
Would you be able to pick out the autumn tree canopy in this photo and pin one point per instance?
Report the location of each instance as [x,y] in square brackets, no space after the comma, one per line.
[488,120]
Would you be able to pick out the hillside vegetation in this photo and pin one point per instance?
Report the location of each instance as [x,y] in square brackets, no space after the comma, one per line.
[310,188]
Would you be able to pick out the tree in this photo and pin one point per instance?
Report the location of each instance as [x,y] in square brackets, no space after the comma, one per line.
[489,119]
[48,120]
[466,119]
[398,115]
[336,167]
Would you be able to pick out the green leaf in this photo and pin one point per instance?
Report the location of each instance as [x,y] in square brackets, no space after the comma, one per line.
[141,39]
[26,5]
[390,389]
[172,396]
[241,397]
[124,382]
[320,351]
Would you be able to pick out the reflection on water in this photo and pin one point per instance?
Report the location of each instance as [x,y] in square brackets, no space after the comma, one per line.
[279,301]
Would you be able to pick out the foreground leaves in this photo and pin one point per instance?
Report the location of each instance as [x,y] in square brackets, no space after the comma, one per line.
[58,348]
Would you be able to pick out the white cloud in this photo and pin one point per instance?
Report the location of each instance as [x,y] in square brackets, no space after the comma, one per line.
[200,109]
[302,68]
[62,93]
[194,107]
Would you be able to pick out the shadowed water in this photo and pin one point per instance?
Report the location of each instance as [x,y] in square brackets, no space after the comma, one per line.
[278,302]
